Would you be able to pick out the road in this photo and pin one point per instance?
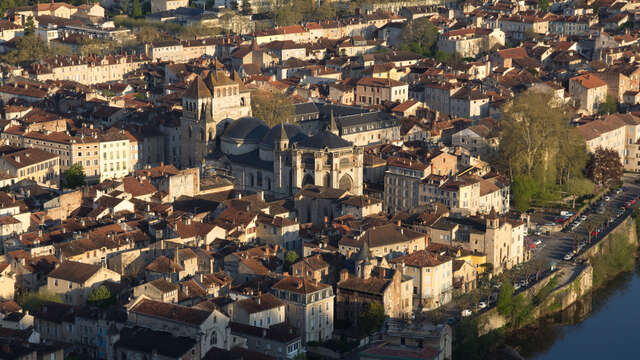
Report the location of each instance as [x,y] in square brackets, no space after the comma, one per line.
[558,244]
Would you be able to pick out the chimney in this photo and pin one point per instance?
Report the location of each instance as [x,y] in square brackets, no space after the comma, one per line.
[344,274]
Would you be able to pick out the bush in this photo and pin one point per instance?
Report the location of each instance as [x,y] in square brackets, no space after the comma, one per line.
[100,296]
[32,301]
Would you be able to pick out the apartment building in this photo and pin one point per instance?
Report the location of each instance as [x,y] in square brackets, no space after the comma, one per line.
[87,70]
[381,241]
[74,280]
[388,287]
[261,311]
[490,235]
[402,182]
[619,132]
[115,153]
[470,42]
[33,164]
[517,26]
[72,150]
[166,5]
[309,307]
[432,276]
[375,91]
[588,91]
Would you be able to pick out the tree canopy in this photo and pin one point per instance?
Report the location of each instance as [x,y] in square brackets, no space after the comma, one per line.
[32,301]
[419,36]
[290,257]
[272,108]
[539,150]
[609,106]
[371,317]
[100,296]
[28,49]
[136,9]
[604,166]
[74,177]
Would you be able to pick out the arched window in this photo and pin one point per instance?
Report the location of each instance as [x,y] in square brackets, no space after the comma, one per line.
[235,91]
[189,132]
[201,134]
[218,93]
[259,179]
[251,180]
[213,339]
[224,92]
[242,101]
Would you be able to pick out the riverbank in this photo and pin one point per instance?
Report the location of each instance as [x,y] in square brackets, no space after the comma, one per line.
[612,255]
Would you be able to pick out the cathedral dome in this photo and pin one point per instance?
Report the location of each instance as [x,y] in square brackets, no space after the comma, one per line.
[243,135]
[291,131]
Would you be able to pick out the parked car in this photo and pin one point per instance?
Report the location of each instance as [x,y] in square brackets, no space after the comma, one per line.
[466,312]
[618,190]
[516,286]
[607,198]
[583,217]
[538,242]
[566,213]
[568,257]
[482,305]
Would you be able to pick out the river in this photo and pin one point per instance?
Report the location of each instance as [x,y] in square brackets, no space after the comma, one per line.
[603,326]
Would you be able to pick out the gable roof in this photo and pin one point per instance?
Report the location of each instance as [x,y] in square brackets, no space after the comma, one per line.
[76,272]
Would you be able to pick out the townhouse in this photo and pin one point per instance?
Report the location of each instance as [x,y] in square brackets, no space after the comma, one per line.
[375,91]
[588,91]
[32,164]
[309,306]
[87,70]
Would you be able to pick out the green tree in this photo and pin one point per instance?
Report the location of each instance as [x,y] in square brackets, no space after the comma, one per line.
[371,317]
[124,6]
[604,166]
[29,26]
[537,141]
[543,5]
[28,49]
[290,257]
[136,10]
[324,12]
[609,106]
[505,304]
[100,296]
[74,177]
[272,108]
[32,301]
[419,36]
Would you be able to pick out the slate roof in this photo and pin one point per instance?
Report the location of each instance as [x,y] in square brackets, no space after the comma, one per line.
[324,139]
[247,128]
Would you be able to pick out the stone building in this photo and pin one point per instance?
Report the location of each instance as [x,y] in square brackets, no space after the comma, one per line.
[309,307]
[282,160]
[501,239]
[388,287]
[205,104]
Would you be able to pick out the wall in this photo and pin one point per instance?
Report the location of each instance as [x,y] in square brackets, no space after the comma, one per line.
[566,295]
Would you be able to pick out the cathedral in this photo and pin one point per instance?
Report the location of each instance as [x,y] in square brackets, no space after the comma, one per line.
[282,159]
[208,105]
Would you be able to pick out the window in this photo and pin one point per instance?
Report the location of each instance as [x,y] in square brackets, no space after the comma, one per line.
[213,339]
